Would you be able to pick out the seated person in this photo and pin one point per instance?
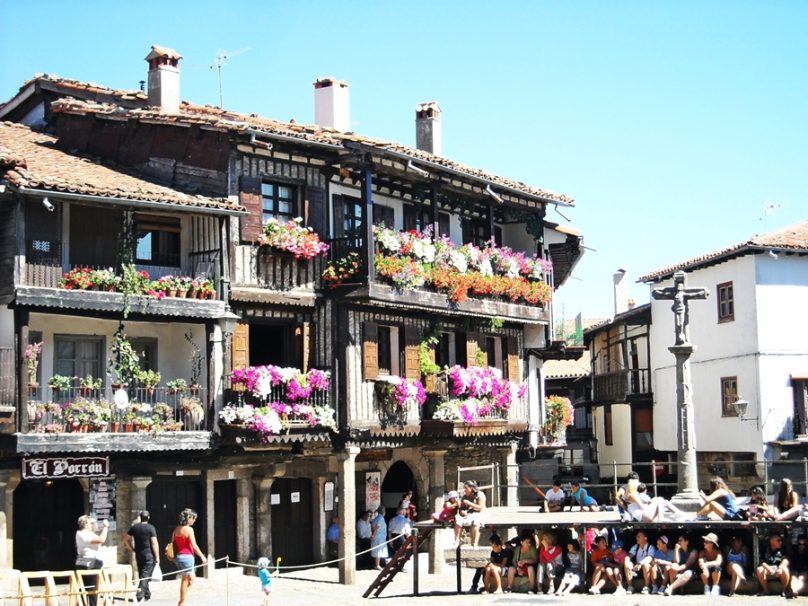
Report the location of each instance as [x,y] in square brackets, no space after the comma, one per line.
[639,560]
[787,506]
[663,558]
[609,569]
[550,562]
[720,504]
[554,498]
[582,498]
[683,565]
[497,567]
[710,564]
[737,561]
[774,564]
[525,557]
[799,565]
[449,511]
[573,574]
[642,508]
[471,512]
[632,480]
[758,508]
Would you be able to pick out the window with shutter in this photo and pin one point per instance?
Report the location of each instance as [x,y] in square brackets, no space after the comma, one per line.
[241,345]
[250,198]
[304,336]
[514,373]
[471,349]
[383,215]
[412,341]
[370,350]
[316,216]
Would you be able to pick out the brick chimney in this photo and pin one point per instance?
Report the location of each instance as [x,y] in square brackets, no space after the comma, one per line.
[428,134]
[164,78]
[332,108]
[620,292]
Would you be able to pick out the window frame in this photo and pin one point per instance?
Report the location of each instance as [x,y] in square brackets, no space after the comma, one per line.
[726,304]
[276,199]
[100,343]
[608,425]
[726,409]
[166,233]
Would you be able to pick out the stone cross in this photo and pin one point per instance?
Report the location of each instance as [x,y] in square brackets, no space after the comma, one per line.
[687,497]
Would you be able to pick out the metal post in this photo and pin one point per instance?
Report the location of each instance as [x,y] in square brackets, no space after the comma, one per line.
[653,475]
[414,535]
[614,479]
[805,474]
[458,566]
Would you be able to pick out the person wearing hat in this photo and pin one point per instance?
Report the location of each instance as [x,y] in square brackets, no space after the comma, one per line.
[774,565]
[141,539]
[710,563]
[449,512]
[684,565]
[663,559]
[471,512]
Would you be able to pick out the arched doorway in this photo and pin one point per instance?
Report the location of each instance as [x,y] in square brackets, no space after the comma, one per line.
[45,517]
[398,480]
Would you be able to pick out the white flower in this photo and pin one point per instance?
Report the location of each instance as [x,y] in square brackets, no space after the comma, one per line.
[458,261]
[263,386]
[485,268]
[423,250]
[513,269]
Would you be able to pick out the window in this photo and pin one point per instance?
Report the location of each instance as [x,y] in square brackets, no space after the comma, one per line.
[800,389]
[419,218]
[278,201]
[385,354]
[726,302]
[158,241]
[383,215]
[442,351]
[352,223]
[381,350]
[476,231]
[78,356]
[729,395]
[146,349]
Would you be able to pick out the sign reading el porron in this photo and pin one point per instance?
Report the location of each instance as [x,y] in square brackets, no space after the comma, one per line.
[57,468]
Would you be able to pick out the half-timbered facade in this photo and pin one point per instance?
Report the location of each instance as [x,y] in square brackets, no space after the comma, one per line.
[391,308]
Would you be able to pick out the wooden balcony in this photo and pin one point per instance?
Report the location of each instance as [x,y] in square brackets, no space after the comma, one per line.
[263,274]
[620,386]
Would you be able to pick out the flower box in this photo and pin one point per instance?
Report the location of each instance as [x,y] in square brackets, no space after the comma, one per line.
[461,429]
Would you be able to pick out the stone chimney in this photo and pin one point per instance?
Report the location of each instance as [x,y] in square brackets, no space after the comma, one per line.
[428,134]
[620,292]
[332,107]
[164,78]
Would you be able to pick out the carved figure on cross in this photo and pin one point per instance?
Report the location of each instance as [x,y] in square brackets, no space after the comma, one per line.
[680,295]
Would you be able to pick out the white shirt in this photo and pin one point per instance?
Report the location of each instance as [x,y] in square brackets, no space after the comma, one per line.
[399,525]
[363,529]
[555,495]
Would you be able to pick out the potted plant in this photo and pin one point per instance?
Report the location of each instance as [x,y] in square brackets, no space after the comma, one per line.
[177,386]
[32,353]
[124,362]
[193,412]
[88,384]
[150,379]
[59,383]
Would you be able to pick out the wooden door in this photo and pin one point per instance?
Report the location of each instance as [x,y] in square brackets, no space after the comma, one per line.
[226,526]
[291,518]
[241,345]
[167,497]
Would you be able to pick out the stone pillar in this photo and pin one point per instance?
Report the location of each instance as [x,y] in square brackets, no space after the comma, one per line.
[9,480]
[321,519]
[510,475]
[346,477]
[210,520]
[687,497]
[263,517]
[137,499]
[244,495]
[437,489]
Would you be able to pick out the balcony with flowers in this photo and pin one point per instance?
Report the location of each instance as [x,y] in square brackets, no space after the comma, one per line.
[271,403]
[436,274]
[558,415]
[289,257]
[474,401]
[399,402]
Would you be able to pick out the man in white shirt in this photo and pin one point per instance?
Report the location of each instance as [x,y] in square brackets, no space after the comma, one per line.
[398,529]
[640,558]
[363,532]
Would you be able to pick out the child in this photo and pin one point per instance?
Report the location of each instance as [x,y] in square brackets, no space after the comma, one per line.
[449,511]
[572,569]
[497,567]
[266,580]
[581,496]
[549,562]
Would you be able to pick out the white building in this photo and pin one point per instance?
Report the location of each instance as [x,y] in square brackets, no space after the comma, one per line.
[751,338]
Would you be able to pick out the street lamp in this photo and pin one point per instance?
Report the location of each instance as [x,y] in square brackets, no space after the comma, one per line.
[740,406]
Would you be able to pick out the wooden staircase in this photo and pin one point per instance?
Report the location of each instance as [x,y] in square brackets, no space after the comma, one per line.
[412,546]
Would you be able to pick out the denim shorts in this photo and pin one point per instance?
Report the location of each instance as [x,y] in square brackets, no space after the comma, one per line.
[185,564]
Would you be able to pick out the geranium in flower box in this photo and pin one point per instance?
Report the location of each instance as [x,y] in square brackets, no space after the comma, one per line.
[292,237]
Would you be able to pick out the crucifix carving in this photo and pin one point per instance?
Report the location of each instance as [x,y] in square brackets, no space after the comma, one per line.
[687,497]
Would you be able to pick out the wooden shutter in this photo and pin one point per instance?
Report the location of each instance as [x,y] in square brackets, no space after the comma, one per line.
[471,348]
[339,216]
[316,216]
[412,340]
[249,197]
[304,337]
[513,360]
[370,350]
[241,345]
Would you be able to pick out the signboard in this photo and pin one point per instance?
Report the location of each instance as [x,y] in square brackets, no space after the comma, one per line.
[57,468]
[373,490]
[328,496]
[103,499]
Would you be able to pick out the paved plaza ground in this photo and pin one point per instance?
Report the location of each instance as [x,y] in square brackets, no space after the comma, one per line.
[320,586]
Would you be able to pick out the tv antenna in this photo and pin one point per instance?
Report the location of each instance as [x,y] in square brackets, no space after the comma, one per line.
[769,209]
[222,56]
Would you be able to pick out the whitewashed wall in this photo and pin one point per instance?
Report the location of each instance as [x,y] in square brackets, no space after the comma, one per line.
[620,450]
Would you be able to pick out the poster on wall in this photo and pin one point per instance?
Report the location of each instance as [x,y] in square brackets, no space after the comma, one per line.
[373,490]
[328,496]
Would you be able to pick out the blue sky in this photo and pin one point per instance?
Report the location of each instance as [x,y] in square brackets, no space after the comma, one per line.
[672,124]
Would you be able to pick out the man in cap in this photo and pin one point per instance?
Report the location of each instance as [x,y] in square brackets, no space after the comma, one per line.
[141,539]
[663,559]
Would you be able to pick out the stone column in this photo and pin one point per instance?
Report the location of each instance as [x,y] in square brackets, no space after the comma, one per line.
[321,519]
[687,497]
[244,495]
[263,517]
[9,480]
[137,499]
[346,477]
[437,489]
[510,475]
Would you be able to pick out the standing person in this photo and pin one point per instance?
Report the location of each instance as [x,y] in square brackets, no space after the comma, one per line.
[710,563]
[87,543]
[332,540]
[378,538]
[185,548]
[141,539]
[363,534]
[408,502]
[399,529]
[471,512]
[266,580]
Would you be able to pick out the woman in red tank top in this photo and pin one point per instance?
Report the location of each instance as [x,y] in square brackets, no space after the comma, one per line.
[185,548]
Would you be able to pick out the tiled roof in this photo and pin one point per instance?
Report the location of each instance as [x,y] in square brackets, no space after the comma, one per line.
[30,160]
[790,239]
[216,118]
[568,369]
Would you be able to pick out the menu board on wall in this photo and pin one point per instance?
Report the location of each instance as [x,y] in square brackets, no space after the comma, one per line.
[102,500]
[373,490]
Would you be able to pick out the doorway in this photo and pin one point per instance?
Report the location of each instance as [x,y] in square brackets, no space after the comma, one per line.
[226,527]
[167,496]
[399,479]
[45,517]
[292,518]
[269,344]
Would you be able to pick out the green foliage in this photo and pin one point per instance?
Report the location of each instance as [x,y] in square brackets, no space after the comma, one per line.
[196,359]
[124,362]
[430,341]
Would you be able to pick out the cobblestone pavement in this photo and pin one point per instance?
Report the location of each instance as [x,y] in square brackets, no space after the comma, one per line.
[320,587]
